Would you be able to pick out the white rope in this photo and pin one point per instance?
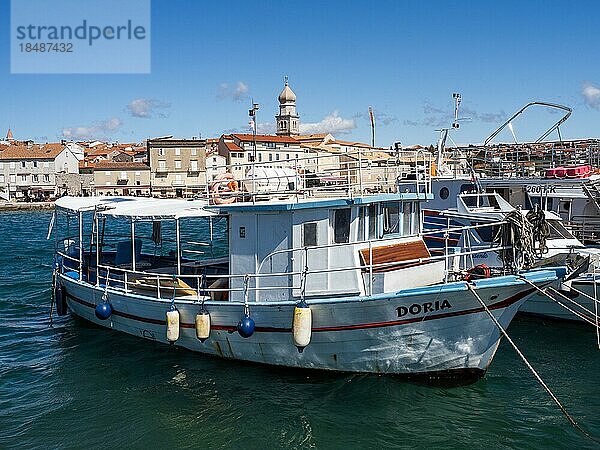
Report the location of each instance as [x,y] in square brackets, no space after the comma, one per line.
[529,366]
[580,315]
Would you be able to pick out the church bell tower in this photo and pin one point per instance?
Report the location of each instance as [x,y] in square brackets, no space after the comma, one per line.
[288,121]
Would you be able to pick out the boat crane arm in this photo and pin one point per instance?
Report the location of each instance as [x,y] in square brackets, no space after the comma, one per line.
[567,110]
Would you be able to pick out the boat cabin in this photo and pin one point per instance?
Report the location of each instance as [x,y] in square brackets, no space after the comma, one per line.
[275,251]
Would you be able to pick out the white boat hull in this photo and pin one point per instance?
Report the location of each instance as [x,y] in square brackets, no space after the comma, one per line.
[432,331]
[538,304]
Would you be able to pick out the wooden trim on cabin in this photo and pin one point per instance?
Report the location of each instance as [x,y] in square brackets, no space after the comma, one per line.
[395,253]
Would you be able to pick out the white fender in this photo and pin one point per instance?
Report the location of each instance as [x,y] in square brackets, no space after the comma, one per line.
[302,326]
[202,326]
[172,325]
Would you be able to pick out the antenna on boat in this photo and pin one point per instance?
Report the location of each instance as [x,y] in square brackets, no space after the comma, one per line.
[441,145]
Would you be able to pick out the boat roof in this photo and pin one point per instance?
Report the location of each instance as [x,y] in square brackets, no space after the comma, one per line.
[140,208]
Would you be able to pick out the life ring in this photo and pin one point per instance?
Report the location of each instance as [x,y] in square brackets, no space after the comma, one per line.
[224,183]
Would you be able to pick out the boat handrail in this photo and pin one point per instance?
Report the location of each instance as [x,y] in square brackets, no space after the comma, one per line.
[132,274]
[355,171]
[378,241]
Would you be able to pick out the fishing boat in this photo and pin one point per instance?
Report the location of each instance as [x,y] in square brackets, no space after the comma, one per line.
[334,279]
[483,212]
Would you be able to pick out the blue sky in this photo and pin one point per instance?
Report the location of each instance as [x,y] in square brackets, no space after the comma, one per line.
[404,58]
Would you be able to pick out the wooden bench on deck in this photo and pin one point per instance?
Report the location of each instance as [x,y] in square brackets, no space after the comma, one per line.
[395,253]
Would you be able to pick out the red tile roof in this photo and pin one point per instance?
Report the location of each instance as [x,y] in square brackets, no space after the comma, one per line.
[264,138]
[116,165]
[34,151]
[232,146]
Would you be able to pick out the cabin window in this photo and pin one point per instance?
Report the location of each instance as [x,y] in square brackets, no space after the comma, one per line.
[372,221]
[309,234]
[341,226]
[407,211]
[391,218]
[466,188]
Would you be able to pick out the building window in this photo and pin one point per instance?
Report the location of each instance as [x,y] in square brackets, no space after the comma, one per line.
[178,164]
[34,178]
[270,156]
[177,151]
[277,156]
[341,225]
[214,159]
[287,156]
[13,178]
[270,144]
[13,165]
[46,178]
[23,164]
[108,183]
[259,157]
[286,145]
[194,152]
[35,164]
[46,164]
[194,166]
[107,174]
[309,234]
[1,178]
[161,152]
[123,175]
[24,178]
[1,165]
[162,166]
[137,174]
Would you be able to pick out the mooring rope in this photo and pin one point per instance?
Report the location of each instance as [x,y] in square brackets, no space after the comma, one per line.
[516,234]
[580,315]
[530,367]
[540,230]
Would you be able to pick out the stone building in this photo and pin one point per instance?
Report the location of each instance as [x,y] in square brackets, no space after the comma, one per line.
[121,178]
[177,166]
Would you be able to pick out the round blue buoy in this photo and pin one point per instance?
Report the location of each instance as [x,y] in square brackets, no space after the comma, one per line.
[246,326]
[103,310]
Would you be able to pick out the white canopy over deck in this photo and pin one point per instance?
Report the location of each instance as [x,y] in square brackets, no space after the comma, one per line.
[137,208]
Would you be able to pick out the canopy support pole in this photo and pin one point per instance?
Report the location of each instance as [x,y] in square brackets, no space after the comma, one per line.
[177,236]
[97,248]
[133,245]
[80,245]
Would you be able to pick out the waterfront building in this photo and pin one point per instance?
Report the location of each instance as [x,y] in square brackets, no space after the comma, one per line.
[271,151]
[29,171]
[177,166]
[121,178]
[215,165]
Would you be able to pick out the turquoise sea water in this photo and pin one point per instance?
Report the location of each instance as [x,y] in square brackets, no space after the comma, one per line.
[74,385]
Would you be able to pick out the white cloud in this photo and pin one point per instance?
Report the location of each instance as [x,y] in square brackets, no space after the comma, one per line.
[146,108]
[99,130]
[236,93]
[591,95]
[332,123]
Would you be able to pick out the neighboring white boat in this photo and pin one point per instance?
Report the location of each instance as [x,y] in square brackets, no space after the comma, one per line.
[477,209]
[339,283]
